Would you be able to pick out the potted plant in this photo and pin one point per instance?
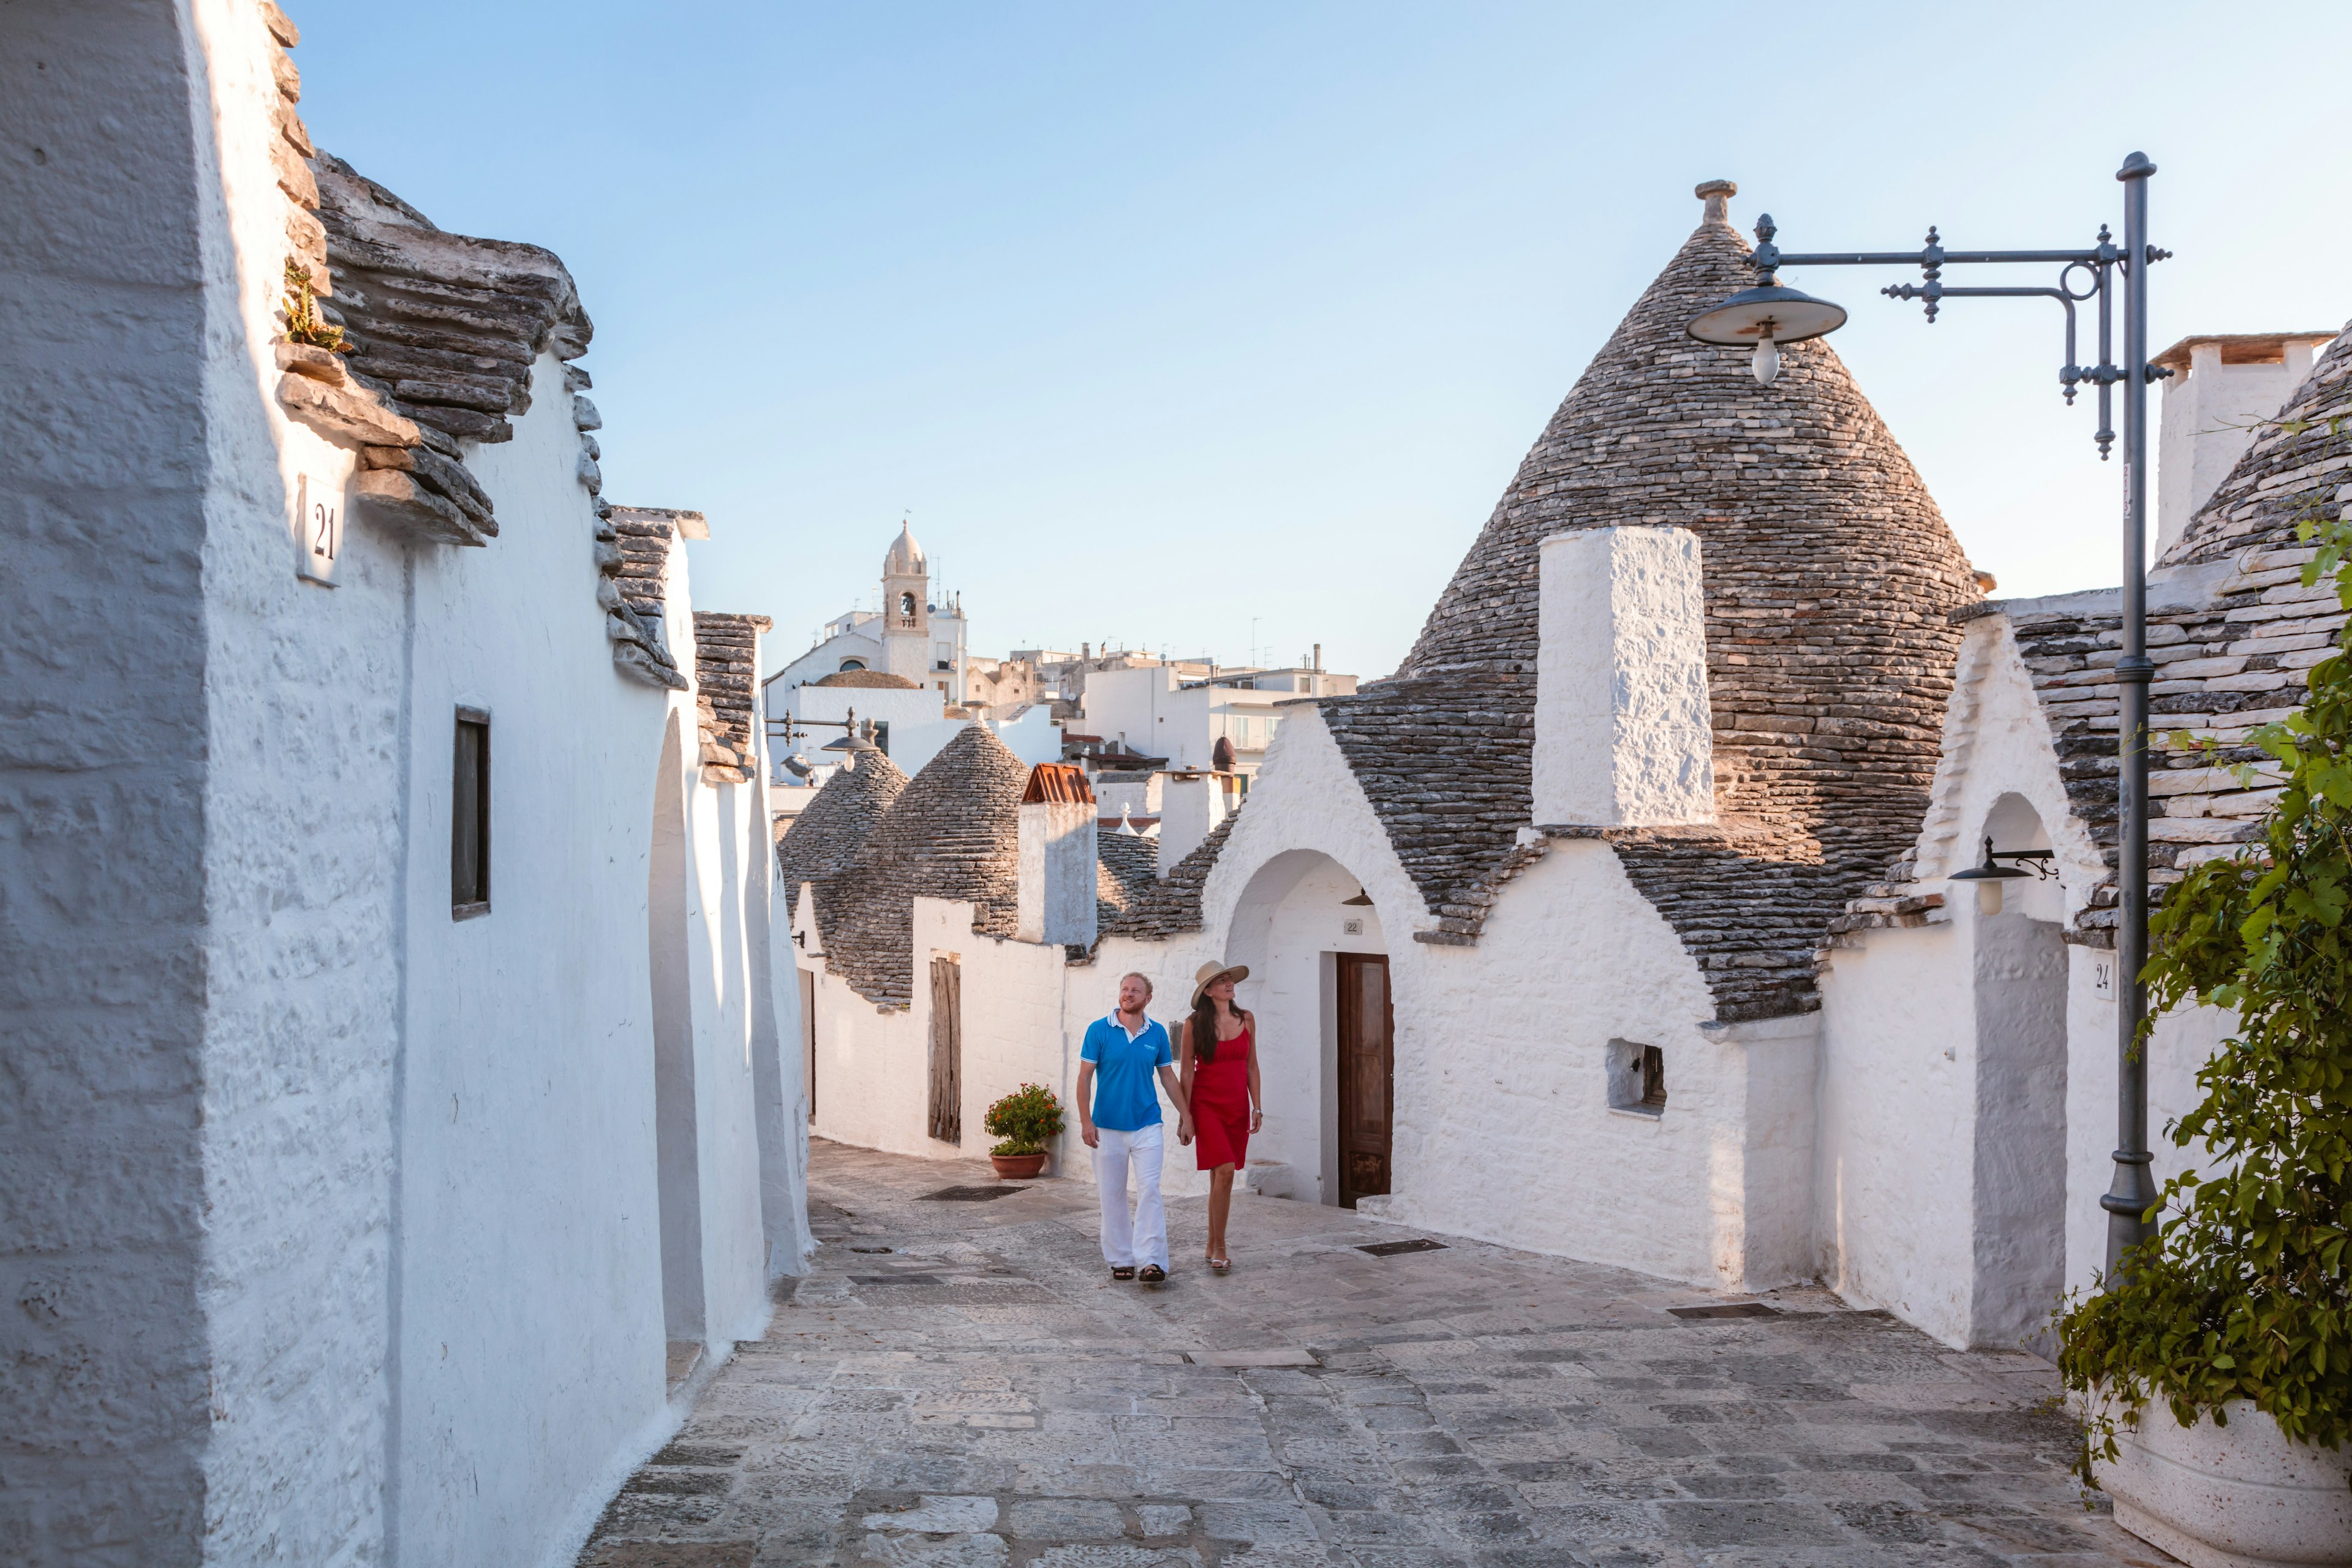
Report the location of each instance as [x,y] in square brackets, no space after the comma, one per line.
[2216,1368]
[1024,1119]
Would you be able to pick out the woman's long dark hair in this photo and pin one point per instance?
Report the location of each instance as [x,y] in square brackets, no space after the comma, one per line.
[1204,1027]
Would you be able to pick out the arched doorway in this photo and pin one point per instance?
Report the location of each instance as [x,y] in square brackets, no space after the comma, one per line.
[2019,1176]
[676,1135]
[1320,986]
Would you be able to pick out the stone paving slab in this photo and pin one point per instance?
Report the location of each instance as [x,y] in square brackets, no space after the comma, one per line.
[960,1385]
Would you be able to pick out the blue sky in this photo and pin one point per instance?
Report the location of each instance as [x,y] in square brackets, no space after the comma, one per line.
[1214,326]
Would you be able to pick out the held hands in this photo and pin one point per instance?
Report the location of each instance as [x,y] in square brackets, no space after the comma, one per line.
[1086,1131]
[1185,1129]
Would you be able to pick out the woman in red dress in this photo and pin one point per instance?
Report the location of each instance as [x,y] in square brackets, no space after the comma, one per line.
[1219,1065]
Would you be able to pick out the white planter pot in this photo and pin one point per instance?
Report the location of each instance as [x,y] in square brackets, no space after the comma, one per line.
[2239,1496]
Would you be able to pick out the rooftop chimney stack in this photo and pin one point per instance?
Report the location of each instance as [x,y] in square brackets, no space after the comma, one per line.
[1624,734]
[1054,859]
[1192,806]
[2220,390]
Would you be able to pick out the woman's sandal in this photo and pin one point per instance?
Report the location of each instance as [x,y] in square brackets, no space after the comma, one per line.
[1152,1274]
[1219,1265]
[1123,1274]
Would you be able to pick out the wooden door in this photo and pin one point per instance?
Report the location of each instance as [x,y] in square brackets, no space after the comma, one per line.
[947,1051]
[808,1039]
[1367,1075]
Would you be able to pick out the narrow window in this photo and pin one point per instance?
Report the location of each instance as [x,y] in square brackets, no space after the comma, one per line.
[469,817]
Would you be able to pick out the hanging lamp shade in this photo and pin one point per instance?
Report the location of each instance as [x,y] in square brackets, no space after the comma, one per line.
[1987,877]
[1765,319]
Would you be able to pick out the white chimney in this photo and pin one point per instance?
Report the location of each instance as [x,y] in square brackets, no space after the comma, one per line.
[1057,873]
[1192,805]
[1624,736]
[2220,392]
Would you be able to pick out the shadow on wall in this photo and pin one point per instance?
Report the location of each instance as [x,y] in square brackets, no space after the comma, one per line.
[2018,1212]
[667,902]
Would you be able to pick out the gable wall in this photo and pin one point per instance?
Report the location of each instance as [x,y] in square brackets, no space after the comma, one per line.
[104,469]
[527,1088]
[304,819]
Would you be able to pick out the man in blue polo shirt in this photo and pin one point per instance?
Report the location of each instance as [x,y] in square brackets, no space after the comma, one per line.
[1120,1122]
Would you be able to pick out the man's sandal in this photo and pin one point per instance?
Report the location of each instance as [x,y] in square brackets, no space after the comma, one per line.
[1152,1274]
[1126,1273]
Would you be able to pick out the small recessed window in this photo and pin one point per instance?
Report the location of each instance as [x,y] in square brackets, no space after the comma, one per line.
[1637,1077]
[469,817]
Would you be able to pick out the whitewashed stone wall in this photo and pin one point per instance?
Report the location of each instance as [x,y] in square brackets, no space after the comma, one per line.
[1913,1086]
[331,1218]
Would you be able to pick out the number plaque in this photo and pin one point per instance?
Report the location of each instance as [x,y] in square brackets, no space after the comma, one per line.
[318,531]
[2102,977]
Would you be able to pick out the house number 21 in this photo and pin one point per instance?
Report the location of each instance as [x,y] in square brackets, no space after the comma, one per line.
[318,531]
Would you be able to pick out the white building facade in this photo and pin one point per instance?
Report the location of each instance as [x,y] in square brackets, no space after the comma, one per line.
[398,1088]
[1614,925]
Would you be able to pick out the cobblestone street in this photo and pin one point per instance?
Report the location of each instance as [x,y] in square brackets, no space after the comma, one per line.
[960,1382]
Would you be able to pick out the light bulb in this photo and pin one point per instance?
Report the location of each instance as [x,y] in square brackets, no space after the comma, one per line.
[1989,896]
[1767,357]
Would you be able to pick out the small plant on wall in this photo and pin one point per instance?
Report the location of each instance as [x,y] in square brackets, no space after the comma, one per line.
[1025,1120]
[2237,1307]
[303,322]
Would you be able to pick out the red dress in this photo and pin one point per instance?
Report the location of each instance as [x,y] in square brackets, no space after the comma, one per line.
[1221,1104]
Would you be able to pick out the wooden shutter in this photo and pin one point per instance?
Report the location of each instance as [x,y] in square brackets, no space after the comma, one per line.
[947,1051]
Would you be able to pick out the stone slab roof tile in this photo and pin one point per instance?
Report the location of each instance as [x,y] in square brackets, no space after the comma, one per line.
[726,679]
[822,841]
[2297,466]
[1171,907]
[1829,578]
[953,833]
[445,326]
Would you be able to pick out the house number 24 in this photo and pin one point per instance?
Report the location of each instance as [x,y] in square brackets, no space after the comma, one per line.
[318,531]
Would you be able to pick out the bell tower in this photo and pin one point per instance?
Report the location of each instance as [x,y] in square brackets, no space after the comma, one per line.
[907,610]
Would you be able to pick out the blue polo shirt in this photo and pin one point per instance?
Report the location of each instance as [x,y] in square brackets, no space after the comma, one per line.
[1125,1097]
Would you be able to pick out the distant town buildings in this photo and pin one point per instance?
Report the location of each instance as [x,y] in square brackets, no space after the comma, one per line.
[904,676]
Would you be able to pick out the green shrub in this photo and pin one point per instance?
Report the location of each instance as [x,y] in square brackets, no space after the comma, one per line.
[2241,1291]
[1025,1120]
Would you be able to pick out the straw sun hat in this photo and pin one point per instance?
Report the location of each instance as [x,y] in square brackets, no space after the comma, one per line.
[1210,971]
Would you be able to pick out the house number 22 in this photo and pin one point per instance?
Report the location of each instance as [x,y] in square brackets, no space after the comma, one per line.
[318,531]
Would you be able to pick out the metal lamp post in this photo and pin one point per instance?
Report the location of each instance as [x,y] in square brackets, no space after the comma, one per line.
[1769,316]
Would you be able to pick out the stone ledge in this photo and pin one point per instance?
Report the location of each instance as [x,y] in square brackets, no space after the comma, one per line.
[345,416]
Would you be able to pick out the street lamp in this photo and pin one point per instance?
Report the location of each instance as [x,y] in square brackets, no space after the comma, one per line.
[1769,316]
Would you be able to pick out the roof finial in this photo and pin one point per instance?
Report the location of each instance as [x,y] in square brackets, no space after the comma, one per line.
[1717,195]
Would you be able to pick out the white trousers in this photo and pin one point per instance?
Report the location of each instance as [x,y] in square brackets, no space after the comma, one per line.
[1131,1243]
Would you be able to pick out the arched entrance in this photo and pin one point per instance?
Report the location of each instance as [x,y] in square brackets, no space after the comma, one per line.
[2020,1185]
[1320,986]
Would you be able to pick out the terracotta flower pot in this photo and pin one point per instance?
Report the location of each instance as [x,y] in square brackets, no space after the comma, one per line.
[1017,1167]
[2240,1496]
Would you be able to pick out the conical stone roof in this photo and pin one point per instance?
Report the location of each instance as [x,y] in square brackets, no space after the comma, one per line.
[824,838]
[1829,577]
[953,833]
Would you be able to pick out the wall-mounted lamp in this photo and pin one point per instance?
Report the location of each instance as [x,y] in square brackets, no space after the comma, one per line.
[1989,876]
[1362,900]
